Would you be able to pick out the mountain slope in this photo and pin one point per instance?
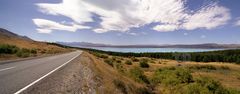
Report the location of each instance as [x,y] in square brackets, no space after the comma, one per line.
[14,46]
[7,37]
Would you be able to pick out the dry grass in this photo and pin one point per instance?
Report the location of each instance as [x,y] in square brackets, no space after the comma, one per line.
[29,44]
[109,74]
[41,47]
[227,73]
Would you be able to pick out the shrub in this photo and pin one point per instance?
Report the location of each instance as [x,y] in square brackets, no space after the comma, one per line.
[114,58]
[109,62]
[144,60]
[19,53]
[33,51]
[128,62]
[119,67]
[23,53]
[205,85]
[196,89]
[172,76]
[233,91]
[143,90]
[144,64]
[159,62]
[24,50]
[138,75]
[118,61]
[134,59]
[238,60]
[120,85]
[103,56]
[202,67]
[8,49]
[153,62]
[225,67]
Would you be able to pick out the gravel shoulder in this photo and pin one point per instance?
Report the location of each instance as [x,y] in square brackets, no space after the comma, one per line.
[77,77]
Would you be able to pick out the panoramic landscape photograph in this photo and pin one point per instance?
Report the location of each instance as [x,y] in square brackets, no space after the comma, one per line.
[119,46]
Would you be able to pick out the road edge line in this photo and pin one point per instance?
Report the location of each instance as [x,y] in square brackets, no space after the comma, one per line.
[6,68]
[34,82]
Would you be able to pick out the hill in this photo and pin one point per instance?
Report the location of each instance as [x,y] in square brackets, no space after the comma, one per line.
[11,41]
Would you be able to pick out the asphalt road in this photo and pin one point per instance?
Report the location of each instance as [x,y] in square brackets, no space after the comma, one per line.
[16,75]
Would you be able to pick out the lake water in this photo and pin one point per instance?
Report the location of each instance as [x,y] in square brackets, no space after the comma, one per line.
[140,50]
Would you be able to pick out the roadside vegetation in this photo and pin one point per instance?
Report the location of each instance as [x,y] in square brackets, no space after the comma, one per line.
[165,76]
[11,51]
[14,50]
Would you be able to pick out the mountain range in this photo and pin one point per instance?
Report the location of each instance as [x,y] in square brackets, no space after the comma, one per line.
[205,46]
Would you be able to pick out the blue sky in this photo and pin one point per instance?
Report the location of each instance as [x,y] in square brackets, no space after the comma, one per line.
[124,21]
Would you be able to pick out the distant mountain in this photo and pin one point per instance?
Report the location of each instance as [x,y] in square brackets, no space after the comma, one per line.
[83,44]
[206,46]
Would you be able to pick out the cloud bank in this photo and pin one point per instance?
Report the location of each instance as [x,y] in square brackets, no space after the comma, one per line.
[122,15]
[47,26]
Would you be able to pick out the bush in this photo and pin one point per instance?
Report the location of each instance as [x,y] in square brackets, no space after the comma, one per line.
[225,67]
[24,50]
[202,67]
[172,76]
[143,91]
[134,59]
[238,60]
[8,49]
[128,62]
[120,85]
[233,91]
[23,53]
[118,61]
[196,89]
[119,67]
[19,53]
[114,58]
[144,64]
[205,85]
[33,51]
[144,59]
[103,56]
[138,75]
[109,62]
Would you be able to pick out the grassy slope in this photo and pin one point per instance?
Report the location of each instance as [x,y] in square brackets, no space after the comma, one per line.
[27,43]
[227,74]
[41,47]
[110,75]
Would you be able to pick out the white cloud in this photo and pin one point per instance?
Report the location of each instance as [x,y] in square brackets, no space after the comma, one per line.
[165,28]
[47,26]
[44,30]
[238,22]
[208,17]
[122,15]
[132,33]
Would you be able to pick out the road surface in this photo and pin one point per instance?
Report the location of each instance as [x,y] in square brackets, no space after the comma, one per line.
[15,76]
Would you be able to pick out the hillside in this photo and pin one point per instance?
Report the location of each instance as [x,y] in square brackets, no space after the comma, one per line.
[164,76]
[8,38]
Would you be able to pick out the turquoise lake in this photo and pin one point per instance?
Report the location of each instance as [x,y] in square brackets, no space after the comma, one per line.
[141,50]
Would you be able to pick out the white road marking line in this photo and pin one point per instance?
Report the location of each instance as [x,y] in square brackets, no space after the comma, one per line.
[31,84]
[7,68]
